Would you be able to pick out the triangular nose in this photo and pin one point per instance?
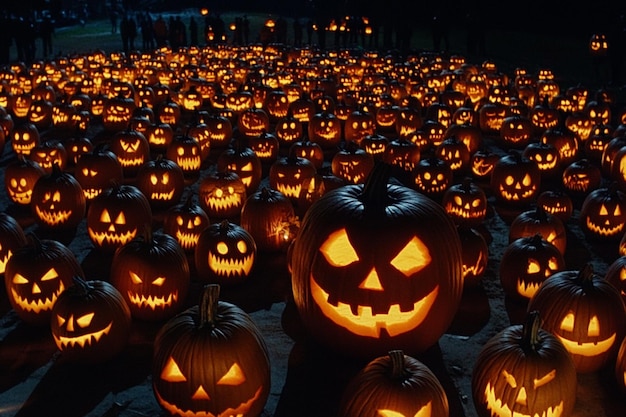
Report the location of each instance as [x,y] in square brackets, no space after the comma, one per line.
[521,397]
[371,282]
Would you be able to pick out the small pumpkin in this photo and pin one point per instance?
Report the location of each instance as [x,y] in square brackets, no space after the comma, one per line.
[466,203]
[524,371]
[603,213]
[539,221]
[186,221]
[211,360]
[394,385]
[90,321]
[515,179]
[20,176]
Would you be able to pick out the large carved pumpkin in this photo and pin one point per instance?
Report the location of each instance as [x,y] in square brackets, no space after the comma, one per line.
[211,360]
[361,296]
[524,371]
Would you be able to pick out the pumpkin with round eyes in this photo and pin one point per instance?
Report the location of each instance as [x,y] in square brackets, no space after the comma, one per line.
[566,143]
[361,298]
[152,274]
[395,385]
[586,313]
[186,152]
[185,221]
[20,176]
[538,221]
[616,275]
[525,264]
[289,130]
[432,177]
[603,213]
[243,161]
[168,112]
[211,360]
[545,155]
[90,322]
[12,237]
[37,273]
[276,104]
[557,203]
[579,123]
[132,150]
[266,146]
[117,215]
[465,203]
[24,138]
[40,113]
[288,172]
[359,124]
[581,176]
[325,129]
[225,254]
[524,371]
[97,170]
[220,129]
[117,111]
[58,201]
[162,181]
[515,180]
[222,194]
[77,146]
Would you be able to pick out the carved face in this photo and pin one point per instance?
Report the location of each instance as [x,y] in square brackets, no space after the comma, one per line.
[253,122]
[49,153]
[516,131]
[90,321]
[152,275]
[466,203]
[287,173]
[226,253]
[58,200]
[185,222]
[482,163]
[545,155]
[20,177]
[159,136]
[77,147]
[243,162]
[36,275]
[433,176]
[582,176]
[24,138]
[186,153]
[515,179]
[132,150]
[603,213]
[162,181]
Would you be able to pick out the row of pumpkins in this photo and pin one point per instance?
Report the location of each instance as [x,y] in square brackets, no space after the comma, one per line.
[329,130]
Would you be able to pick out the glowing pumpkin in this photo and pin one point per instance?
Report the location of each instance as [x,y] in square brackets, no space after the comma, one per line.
[12,237]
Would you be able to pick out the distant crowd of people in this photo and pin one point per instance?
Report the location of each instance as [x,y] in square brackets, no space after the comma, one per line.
[24,33]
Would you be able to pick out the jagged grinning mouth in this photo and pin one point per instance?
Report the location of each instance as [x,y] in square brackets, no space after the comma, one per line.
[187,240]
[230,412]
[498,409]
[231,267]
[131,162]
[231,200]
[162,196]
[585,349]
[290,190]
[152,301]
[365,323]
[53,219]
[527,289]
[464,213]
[112,238]
[23,197]
[37,306]
[515,196]
[87,339]
[604,231]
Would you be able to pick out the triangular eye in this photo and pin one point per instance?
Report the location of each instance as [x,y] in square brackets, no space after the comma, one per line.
[510,379]
[234,376]
[338,250]
[567,323]
[61,320]
[105,217]
[135,278]
[158,281]
[50,274]
[85,320]
[538,382]
[603,211]
[121,219]
[19,279]
[594,327]
[171,372]
[412,258]
[617,211]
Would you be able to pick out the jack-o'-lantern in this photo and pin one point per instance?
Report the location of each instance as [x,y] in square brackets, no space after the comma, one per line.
[288,130]
[159,136]
[599,111]
[579,123]
[557,203]
[525,265]
[225,254]
[266,146]
[359,124]
[168,112]
[586,313]
[116,216]
[394,385]
[386,117]
[565,142]
[269,216]
[35,276]
[12,237]
[348,292]
[515,179]
[98,170]
[222,194]
[325,129]
[276,104]
[581,176]
[162,181]
[315,187]
[185,221]
[58,201]
[432,176]
[603,213]
[435,132]
[287,173]
[598,45]
[152,274]
[132,150]
[465,114]
[211,360]
[24,137]
[409,120]
[220,129]
[49,153]
[545,155]
[491,117]
[302,108]
[453,151]
[239,100]
[40,114]
[475,255]
[117,112]
[524,371]
[610,151]
[77,146]
[597,142]
[352,163]
[516,131]
[185,151]
[543,116]
[90,321]
[253,122]
[439,112]
[482,163]
[20,177]
[465,203]
[309,150]
[21,105]
[469,134]
[402,154]
[241,160]
[616,275]
[539,221]
[62,114]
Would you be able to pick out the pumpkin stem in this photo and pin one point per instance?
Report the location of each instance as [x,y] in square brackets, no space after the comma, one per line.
[81,285]
[530,332]
[208,304]
[585,277]
[397,363]
[374,194]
